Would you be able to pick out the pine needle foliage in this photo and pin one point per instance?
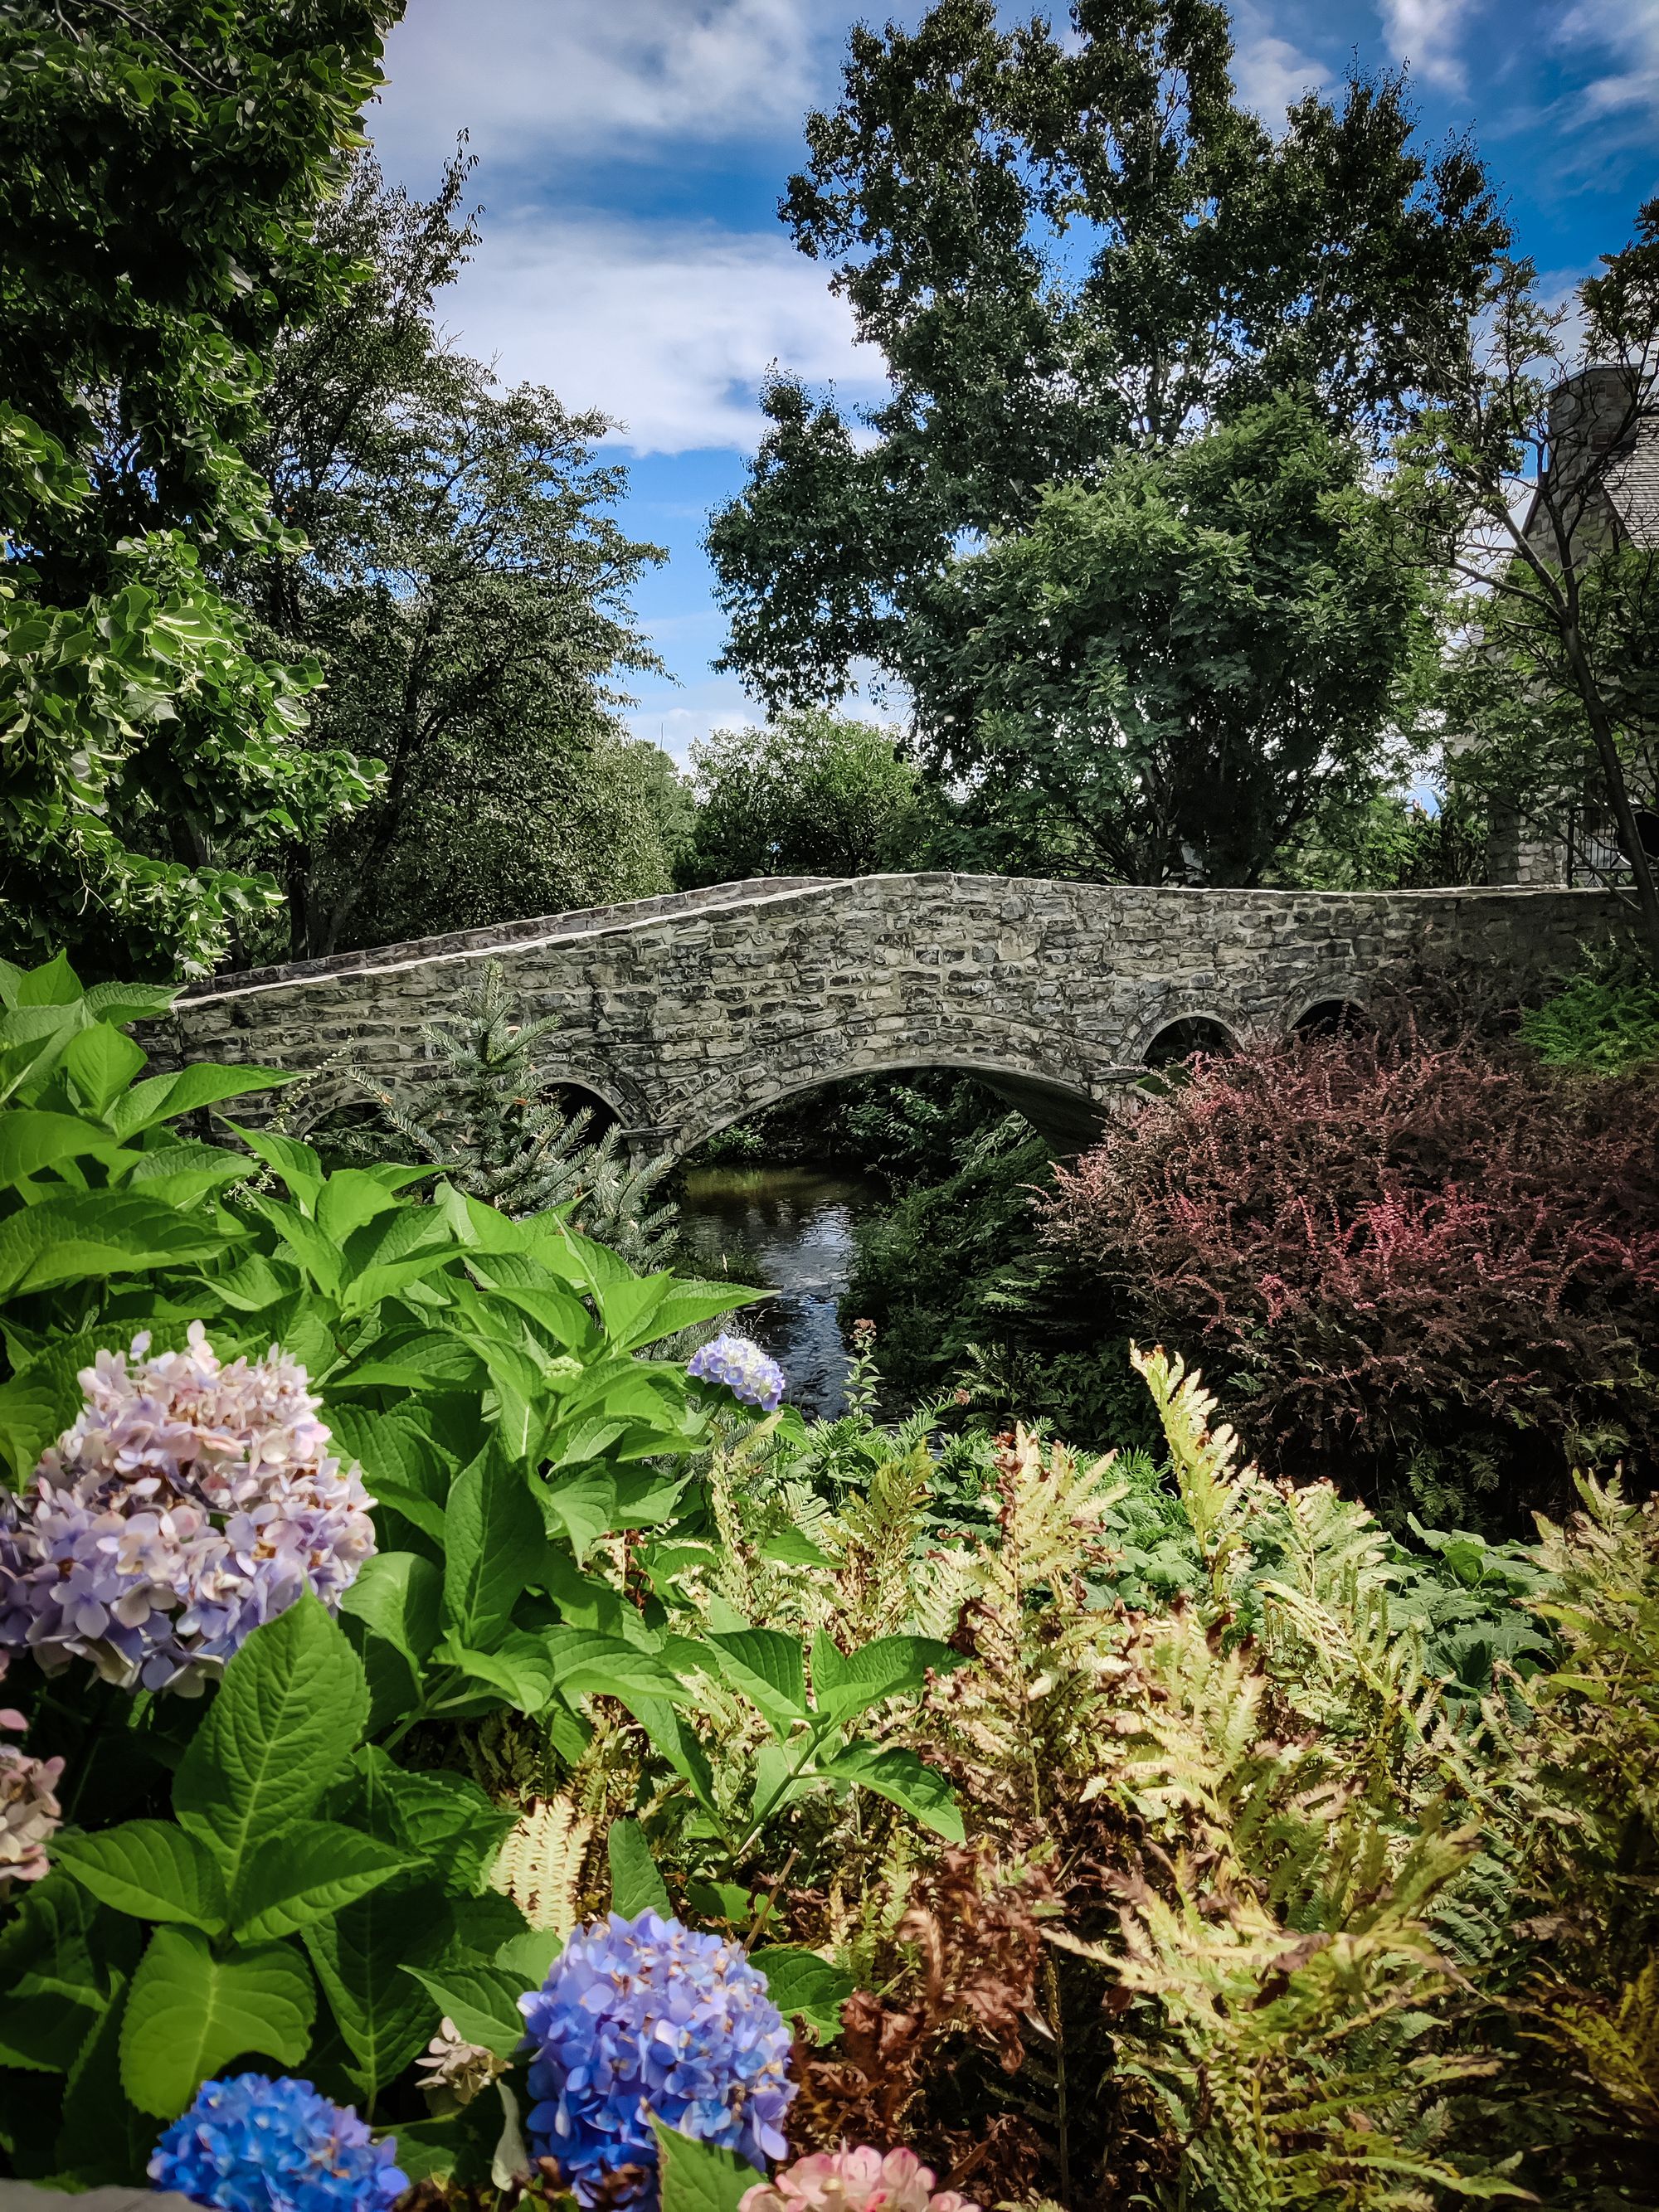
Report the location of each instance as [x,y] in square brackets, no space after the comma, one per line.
[490,1117]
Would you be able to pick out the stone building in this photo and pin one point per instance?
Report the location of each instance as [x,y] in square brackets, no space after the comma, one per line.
[1600,489]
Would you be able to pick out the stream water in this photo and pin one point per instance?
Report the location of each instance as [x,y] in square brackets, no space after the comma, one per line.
[789,1229]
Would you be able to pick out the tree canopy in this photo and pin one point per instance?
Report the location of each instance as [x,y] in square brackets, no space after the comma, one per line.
[1077,251]
[465,590]
[157,227]
[815,793]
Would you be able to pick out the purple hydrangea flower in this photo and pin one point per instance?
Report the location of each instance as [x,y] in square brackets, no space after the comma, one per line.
[188,1503]
[645,2018]
[250,2144]
[747,1371]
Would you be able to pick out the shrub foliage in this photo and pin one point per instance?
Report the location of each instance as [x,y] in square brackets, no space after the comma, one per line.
[1401,1248]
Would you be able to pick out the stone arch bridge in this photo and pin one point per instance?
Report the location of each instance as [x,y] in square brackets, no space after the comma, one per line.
[684,1013]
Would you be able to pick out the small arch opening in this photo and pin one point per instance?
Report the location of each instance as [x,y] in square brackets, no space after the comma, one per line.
[1330,1018]
[1178,1041]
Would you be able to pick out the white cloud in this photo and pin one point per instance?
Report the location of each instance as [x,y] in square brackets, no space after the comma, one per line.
[1628,31]
[1427,34]
[1269,73]
[676,729]
[530,77]
[669,330]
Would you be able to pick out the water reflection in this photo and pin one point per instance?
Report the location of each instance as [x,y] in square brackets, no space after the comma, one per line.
[790,1228]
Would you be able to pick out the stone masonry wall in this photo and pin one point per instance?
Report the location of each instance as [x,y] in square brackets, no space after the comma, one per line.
[685,1013]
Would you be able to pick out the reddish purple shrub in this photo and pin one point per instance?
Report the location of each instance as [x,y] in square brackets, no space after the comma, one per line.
[1392,1248]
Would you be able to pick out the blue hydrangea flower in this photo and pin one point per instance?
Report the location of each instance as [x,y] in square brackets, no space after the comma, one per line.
[250,2144]
[642,2018]
[744,1369]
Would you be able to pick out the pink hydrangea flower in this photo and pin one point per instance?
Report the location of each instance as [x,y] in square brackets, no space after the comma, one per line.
[189,1502]
[862,2181]
[29,1811]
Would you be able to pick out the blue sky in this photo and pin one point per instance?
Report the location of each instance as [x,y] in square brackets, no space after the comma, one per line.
[631,153]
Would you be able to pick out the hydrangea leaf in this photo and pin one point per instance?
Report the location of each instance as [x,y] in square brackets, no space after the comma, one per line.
[400,1596]
[309,1871]
[893,1666]
[901,1777]
[492,1540]
[31,1139]
[636,1885]
[698,2177]
[582,1507]
[586,1665]
[164,1097]
[188,2012]
[153,1869]
[482,2001]
[800,1984]
[528,1957]
[92,1234]
[360,1955]
[767,1666]
[291,1706]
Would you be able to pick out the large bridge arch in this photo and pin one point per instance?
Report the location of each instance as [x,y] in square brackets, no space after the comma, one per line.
[687,1012]
[1068,1113]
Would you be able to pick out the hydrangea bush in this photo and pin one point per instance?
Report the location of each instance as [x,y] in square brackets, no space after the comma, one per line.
[250,2144]
[646,2019]
[750,1374]
[190,1502]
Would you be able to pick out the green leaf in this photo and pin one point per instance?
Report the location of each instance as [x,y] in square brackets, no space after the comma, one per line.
[636,1885]
[310,1869]
[359,1956]
[165,1098]
[54,984]
[188,2013]
[400,1595]
[482,2001]
[900,1777]
[586,1665]
[492,1542]
[291,1706]
[85,1234]
[582,1507]
[443,1818]
[101,1063]
[528,1958]
[152,1869]
[401,1466]
[520,1668]
[31,1139]
[794,1547]
[673,1736]
[696,2177]
[800,1983]
[891,1667]
[767,1666]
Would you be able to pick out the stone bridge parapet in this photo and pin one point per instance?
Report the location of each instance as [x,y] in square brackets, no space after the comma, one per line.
[687,1012]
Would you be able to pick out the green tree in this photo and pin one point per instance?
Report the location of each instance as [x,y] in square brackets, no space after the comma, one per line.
[1169,670]
[1532,474]
[467,592]
[157,226]
[1063,246]
[815,793]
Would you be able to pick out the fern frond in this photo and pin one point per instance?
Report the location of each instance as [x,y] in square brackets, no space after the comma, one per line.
[541,1864]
